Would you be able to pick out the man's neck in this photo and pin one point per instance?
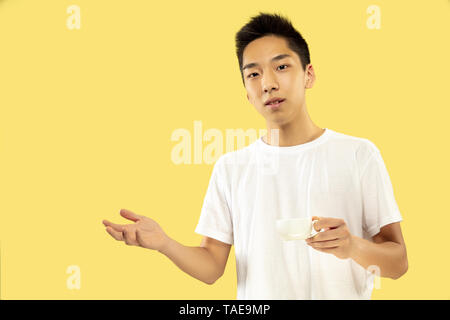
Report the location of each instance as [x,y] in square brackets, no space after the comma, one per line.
[300,130]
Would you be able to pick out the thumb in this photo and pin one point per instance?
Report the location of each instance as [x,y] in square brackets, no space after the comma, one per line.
[127,214]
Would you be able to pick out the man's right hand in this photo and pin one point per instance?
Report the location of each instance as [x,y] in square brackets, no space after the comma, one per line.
[144,232]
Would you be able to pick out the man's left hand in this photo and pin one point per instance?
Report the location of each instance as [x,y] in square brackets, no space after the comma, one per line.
[336,239]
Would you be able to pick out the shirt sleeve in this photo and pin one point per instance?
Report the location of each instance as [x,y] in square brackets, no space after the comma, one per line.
[215,217]
[379,205]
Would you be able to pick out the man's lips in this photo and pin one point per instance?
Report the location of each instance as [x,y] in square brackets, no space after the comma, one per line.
[275,105]
[277,100]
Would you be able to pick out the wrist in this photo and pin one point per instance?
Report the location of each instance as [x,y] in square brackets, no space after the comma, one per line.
[354,247]
[165,245]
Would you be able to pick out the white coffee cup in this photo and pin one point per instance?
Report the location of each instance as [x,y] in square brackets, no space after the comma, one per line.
[296,228]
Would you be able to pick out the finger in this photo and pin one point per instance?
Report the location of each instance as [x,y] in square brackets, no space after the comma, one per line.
[328,223]
[327,235]
[318,229]
[315,219]
[127,214]
[326,244]
[326,250]
[115,234]
[139,239]
[117,227]
[130,237]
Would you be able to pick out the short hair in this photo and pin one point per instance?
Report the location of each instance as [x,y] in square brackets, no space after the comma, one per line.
[271,24]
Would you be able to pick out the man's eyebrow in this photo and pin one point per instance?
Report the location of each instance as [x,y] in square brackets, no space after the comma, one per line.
[254,64]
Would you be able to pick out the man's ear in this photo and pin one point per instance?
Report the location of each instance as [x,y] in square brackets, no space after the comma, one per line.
[310,77]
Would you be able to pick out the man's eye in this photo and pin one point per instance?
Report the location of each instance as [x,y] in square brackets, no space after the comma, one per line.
[250,75]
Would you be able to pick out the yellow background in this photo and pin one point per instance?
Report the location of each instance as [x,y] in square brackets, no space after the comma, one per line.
[87,116]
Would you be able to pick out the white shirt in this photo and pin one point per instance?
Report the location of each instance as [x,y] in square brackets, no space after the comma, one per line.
[335,175]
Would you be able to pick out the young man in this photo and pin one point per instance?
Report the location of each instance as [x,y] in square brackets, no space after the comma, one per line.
[313,173]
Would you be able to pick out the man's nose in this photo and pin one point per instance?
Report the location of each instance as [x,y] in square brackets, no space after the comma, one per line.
[269,82]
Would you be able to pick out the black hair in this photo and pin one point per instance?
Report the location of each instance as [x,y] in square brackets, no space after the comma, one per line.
[271,24]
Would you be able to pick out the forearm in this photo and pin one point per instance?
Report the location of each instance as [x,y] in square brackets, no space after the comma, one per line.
[388,256]
[195,261]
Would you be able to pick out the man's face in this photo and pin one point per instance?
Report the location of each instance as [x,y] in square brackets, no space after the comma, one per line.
[271,69]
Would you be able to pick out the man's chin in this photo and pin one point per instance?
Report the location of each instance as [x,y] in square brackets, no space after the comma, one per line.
[277,119]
